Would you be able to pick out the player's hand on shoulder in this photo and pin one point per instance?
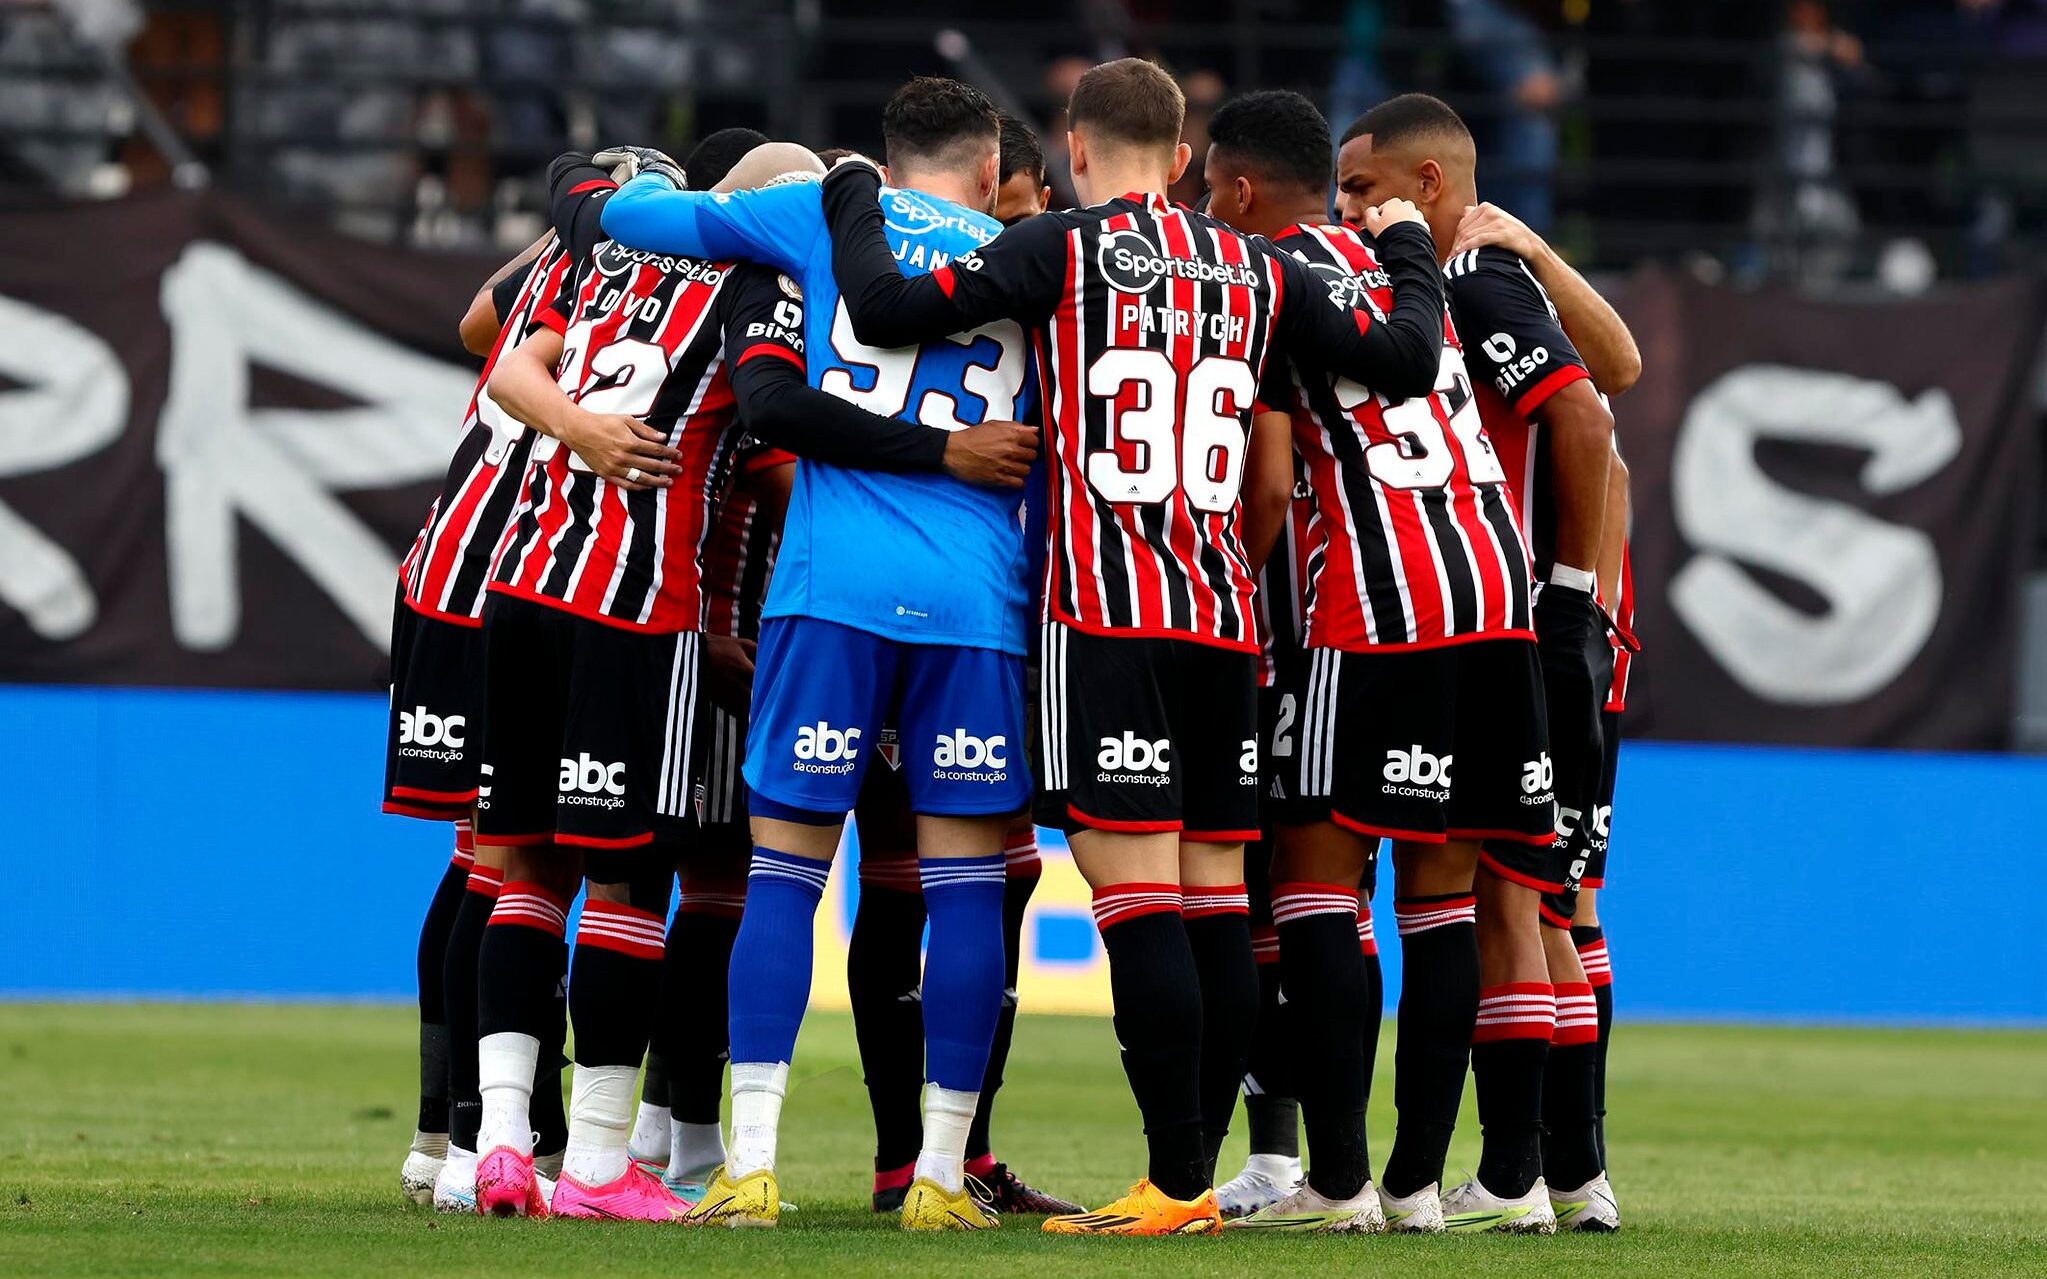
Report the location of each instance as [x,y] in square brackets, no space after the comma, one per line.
[1393,213]
[622,449]
[993,454]
[853,161]
[1489,225]
[627,163]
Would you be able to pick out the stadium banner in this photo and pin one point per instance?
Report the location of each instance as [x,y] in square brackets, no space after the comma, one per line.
[156,826]
[219,429]
[1833,505]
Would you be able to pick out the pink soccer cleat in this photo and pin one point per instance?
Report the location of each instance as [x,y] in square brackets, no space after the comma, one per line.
[506,1185]
[634,1195]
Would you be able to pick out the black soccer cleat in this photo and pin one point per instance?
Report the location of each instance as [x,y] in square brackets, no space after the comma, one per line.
[1004,1192]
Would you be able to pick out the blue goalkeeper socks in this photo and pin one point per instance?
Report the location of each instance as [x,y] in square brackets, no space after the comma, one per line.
[769,980]
[963,971]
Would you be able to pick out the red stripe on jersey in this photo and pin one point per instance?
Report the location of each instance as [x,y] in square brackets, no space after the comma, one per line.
[1532,398]
[768,348]
[594,184]
[1414,539]
[944,277]
[1623,611]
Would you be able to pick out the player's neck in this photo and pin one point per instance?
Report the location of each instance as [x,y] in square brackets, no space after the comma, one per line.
[1308,212]
[1108,181]
[1444,215]
[945,186]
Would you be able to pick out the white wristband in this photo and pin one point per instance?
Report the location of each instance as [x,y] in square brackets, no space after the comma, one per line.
[1576,578]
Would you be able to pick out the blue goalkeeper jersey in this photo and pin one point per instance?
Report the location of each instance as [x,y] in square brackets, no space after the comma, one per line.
[921,558]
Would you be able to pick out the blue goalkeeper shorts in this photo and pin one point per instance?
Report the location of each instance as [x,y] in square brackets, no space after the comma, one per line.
[825,698]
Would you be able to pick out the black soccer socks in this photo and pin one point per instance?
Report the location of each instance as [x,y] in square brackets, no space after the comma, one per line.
[1157,993]
[1218,923]
[1510,1044]
[1438,1003]
[1324,971]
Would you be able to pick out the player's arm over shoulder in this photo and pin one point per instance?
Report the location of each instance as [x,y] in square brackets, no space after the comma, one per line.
[1400,356]
[1017,275]
[772,225]
[1510,331]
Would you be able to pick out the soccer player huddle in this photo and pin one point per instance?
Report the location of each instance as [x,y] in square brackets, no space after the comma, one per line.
[1228,543]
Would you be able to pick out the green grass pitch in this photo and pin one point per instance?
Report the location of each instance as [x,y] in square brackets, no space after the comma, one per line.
[168,1140]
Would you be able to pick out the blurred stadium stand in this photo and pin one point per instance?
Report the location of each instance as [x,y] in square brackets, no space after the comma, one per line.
[1758,138]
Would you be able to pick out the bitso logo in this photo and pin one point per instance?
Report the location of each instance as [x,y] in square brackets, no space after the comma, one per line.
[1514,370]
[1131,265]
[1131,754]
[1538,776]
[820,748]
[961,749]
[591,783]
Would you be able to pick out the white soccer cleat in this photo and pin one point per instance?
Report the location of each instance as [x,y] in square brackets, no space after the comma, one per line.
[1591,1207]
[1420,1213]
[418,1175]
[1307,1212]
[1472,1209]
[1265,1181]
[455,1189]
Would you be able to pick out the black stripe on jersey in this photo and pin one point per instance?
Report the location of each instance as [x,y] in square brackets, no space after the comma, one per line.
[1449,540]
[490,520]
[580,491]
[1493,510]
[1377,557]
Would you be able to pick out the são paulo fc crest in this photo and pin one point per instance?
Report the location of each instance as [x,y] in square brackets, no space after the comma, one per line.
[889,747]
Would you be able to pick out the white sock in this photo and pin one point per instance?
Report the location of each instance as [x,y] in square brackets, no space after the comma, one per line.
[460,1168]
[504,1078]
[649,1141]
[948,1114]
[1280,1170]
[434,1145]
[600,1113]
[757,1091]
[695,1148]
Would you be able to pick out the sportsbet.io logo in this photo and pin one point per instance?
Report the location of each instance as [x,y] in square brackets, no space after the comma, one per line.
[1131,265]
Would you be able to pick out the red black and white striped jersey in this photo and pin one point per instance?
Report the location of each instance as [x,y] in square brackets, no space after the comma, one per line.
[1519,357]
[1283,586]
[741,556]
[1155,330]
[653,336]
[1414,542]
[448,567]
[1622,609]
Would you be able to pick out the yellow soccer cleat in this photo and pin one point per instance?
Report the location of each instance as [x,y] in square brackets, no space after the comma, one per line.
[1146,1210]
[752,1200]
[930,1206]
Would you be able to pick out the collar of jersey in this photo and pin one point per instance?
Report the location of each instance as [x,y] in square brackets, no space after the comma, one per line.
[1151,200]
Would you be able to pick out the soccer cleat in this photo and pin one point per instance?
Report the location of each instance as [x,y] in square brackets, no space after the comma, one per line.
[688,1184]
[416,1177]
[1265,1181]
[930,1206]
[1146,1210]
[1591,1207]
[507,1186]
[752,1200]
[1306,1212]
[1002,1191]
[1420,1213]
[634,1195]
[891,1187]
[1472,1209]
[455,1188]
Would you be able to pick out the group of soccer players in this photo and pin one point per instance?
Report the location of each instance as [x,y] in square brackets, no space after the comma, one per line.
[790,492]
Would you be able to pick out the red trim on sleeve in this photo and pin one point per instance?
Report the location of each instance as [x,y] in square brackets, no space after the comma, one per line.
[766,460]
[1532,398]
[1364,319]
[594,184]
[944,277]
[553,319]
[768,348]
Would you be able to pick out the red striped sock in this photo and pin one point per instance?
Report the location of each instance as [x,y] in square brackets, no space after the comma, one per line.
[620,927]
[1203,902]
[1264,944]
[1411,917]
[1295,901]
[465,844]
[1368,941]
[1516,1010]
[531,905]
[1119,902]
[1577,1014]
[1597,961]
[486,881]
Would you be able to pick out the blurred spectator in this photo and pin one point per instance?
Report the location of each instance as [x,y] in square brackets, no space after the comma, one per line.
[1805,205]
[1511,58]
[60,114]
[1205,92]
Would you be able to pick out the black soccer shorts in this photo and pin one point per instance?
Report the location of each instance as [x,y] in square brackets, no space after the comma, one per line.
[1142,734]
[1424,745]
[1585,843]
[434,740]
[593,734]
[722,824]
